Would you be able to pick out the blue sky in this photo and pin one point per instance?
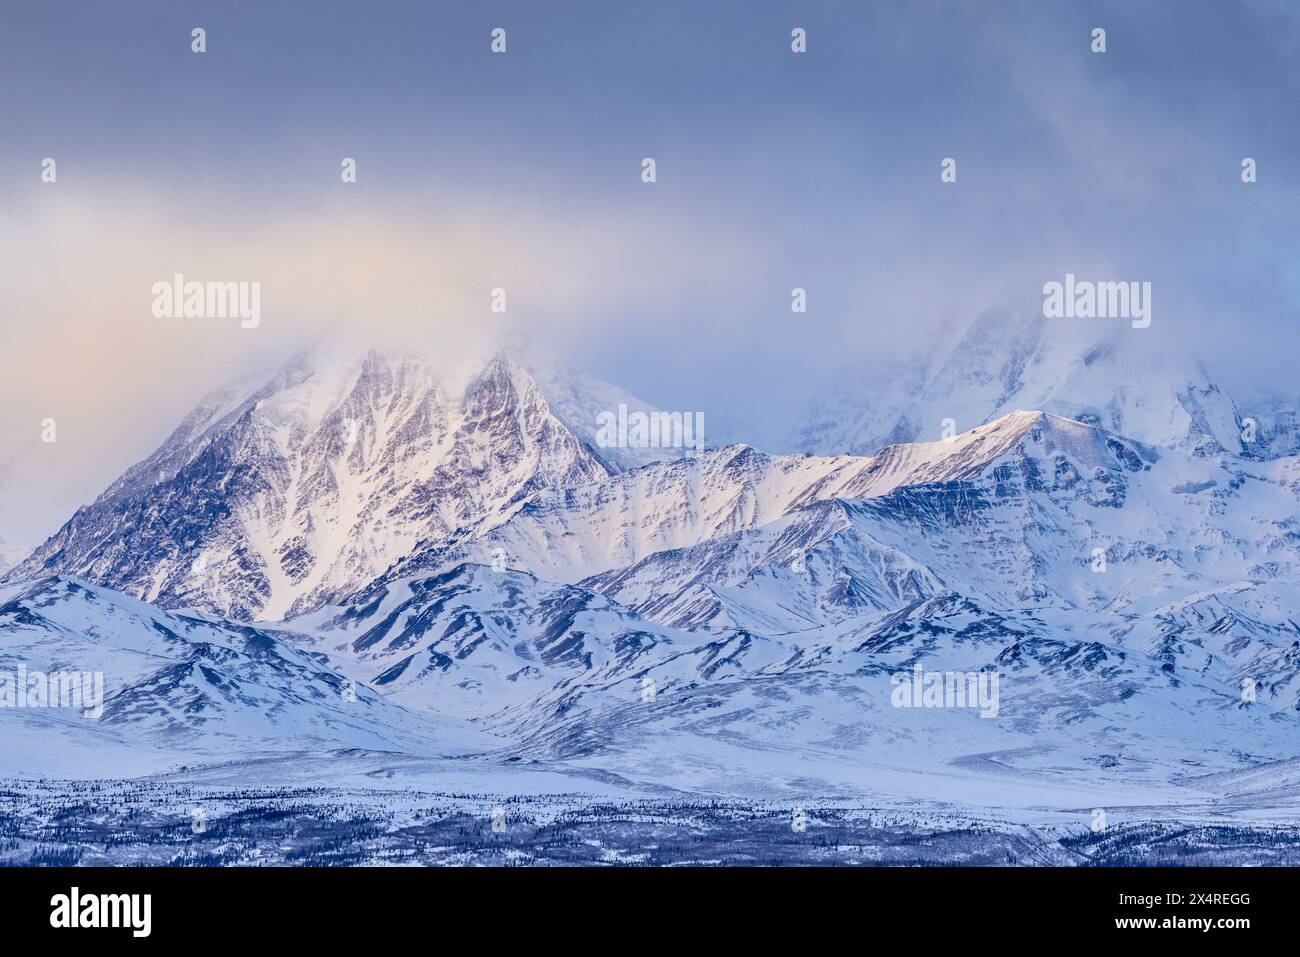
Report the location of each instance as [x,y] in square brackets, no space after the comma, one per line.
[775,170]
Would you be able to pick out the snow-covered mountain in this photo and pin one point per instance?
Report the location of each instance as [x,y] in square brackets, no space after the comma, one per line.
[1123,594]
[1073,713]
[569,534]
[453,545]
[275,496]
[1106,375]
[177,682]
[1018,511]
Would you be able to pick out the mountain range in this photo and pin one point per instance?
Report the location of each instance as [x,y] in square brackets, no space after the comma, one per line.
[389,552]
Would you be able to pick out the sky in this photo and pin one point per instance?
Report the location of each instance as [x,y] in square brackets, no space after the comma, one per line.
[522,170]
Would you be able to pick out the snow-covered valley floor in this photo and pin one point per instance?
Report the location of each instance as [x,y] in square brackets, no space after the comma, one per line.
[362,808]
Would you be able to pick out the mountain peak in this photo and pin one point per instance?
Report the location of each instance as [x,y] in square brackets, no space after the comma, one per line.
[1118,381]
[276,495]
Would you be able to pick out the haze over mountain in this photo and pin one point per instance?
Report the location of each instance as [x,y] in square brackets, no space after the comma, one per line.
[1107,375]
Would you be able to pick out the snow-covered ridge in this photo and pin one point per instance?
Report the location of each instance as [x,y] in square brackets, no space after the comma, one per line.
[570,534]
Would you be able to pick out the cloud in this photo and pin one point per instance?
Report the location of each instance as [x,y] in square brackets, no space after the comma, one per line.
[522,172]
[81,344]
